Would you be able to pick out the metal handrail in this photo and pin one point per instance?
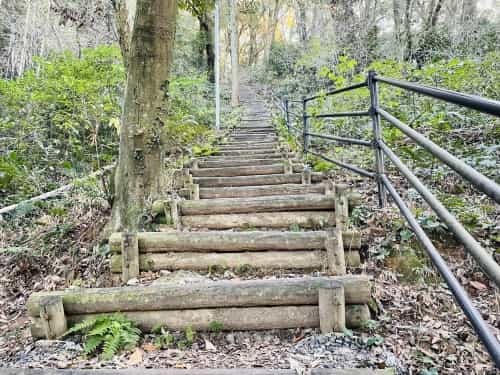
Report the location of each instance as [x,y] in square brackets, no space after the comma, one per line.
[481,182]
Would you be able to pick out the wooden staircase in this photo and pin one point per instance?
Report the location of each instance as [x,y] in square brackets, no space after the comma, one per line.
[251,205]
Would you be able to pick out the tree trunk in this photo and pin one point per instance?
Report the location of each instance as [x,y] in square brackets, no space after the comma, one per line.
[125,17]
[407,30]
[235,92]
[145,106]
[273,23]
[301,21]
[206,28]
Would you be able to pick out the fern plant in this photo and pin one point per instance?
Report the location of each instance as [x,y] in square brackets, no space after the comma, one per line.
[107,333]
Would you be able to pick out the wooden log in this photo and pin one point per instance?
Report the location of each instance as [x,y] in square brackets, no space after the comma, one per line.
[52,317]
[259,191]
[243,144]
[231,318]
[271,292]
[307,176]
[335,256]
[332,308]
[150,242]
[305,202]
[272,179]
[130,256]
[234,163]
[222,241]
[275,155]
[245,153]
[267,260]
[239,171]
[303,219]
[247,145]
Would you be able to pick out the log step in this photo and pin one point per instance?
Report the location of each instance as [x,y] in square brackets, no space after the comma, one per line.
[275,155]
[248,152]
[262,260]
[240,171]
[227,162]
[302,219]
[272,179]
[224,241]
[230,318]
[262,190]
[228,293]
[306,202]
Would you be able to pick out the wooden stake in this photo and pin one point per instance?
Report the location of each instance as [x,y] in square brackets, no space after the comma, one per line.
[52,317]
[130,256]
[331,301]
[194,192]
[288,167]
[335,252]
[307,176]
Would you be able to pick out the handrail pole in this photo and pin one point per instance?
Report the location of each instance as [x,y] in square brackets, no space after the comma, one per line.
[305,124]
[377,136]
[287,114]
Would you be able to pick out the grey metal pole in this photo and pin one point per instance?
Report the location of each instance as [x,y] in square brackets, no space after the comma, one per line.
[217,65]
[305,126]
[377,136]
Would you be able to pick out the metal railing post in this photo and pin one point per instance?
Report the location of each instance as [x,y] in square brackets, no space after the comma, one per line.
[305,125]
[287,114]
[377,136]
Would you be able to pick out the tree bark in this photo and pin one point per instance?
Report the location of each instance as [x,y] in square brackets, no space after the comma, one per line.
[125,17]
[207,30]
[235,77]
[145,106]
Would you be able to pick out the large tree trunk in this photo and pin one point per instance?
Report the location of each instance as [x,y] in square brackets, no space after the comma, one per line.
[407,30]
[301,21]
[145,107]
[273,23]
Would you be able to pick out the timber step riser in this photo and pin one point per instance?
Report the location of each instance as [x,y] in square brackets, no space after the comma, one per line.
[237,162]
[293,178]
[262,190]
[315,260]
[245,305]
[237,158]
[233,241]
[243,170]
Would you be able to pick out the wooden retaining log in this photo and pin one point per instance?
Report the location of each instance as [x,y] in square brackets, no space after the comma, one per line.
[262,190]
[306,202]
[303,219]
[239,171]
[273,156]
[235,162]
[232,318]
[243,144]
[246,146]
[245,153]
[222,241]
[196,261]
[276,179]
[249,293]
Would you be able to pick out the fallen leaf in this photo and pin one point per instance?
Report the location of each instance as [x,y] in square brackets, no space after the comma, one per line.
[135,357]
[477,285]
[150,347]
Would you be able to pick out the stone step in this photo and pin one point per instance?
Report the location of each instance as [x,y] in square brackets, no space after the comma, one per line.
[270,179]
[263,190]
[305,202]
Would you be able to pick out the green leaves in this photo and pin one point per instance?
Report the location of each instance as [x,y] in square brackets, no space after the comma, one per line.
[108,333]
